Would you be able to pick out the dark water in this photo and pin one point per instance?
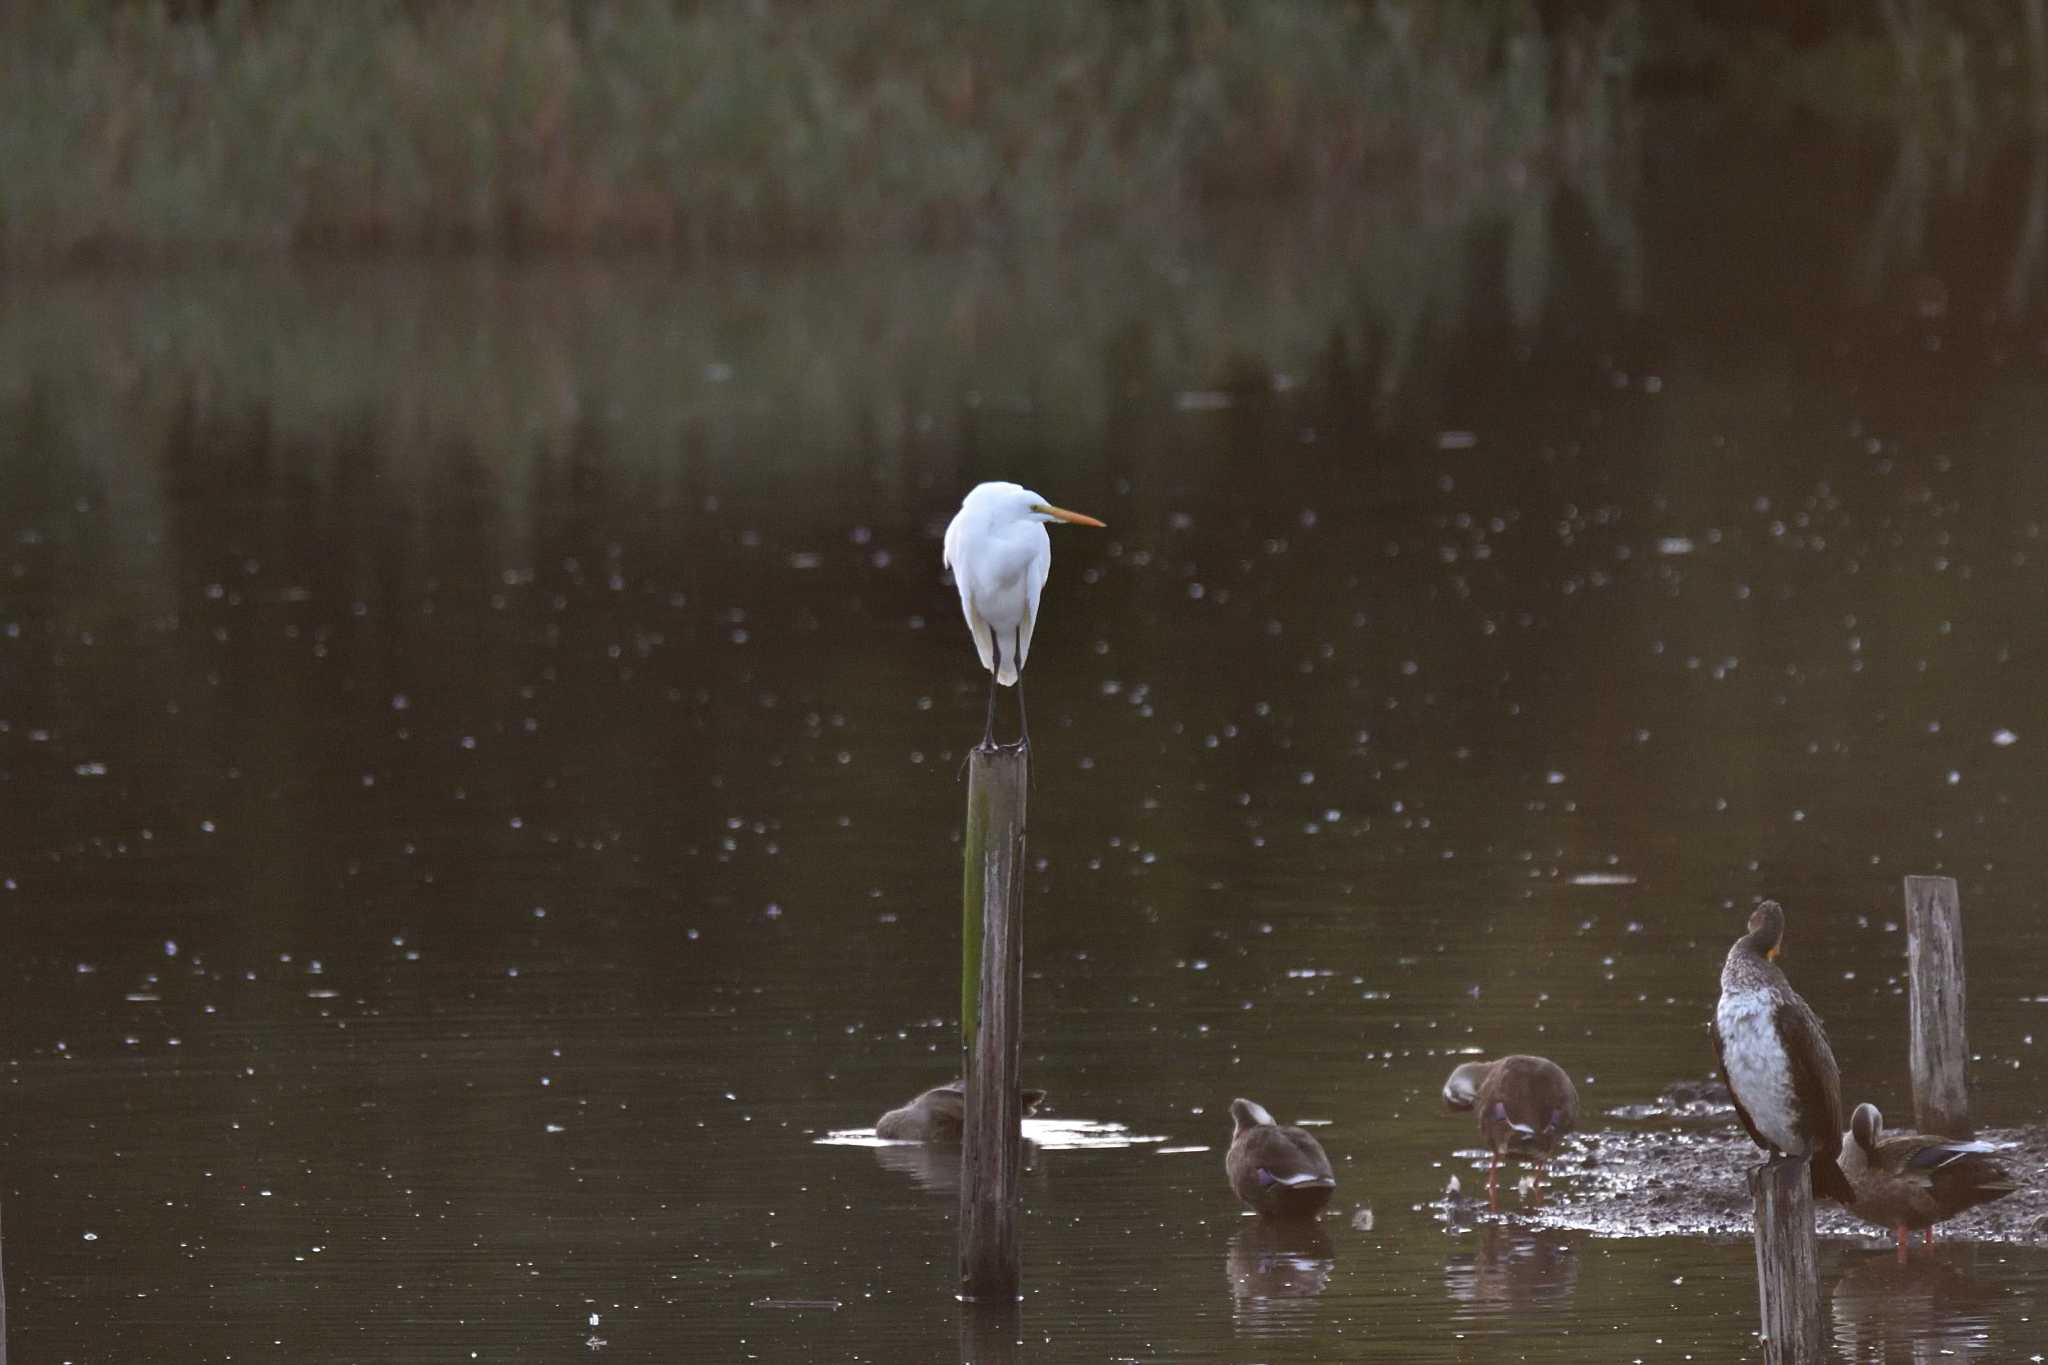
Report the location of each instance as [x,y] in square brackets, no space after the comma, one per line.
[479,755]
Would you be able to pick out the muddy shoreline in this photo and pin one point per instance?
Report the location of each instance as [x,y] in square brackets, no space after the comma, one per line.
[1679,1168]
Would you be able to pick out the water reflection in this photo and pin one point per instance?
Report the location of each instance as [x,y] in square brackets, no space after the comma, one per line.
[1052,1134]
[991,1333]
[1934,1308]
[482,742]
[1271,1265]
[935,1168]
[2025,272]
[1906,219]
[1511,1270]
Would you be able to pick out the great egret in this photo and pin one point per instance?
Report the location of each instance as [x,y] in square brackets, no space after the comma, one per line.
[999,553]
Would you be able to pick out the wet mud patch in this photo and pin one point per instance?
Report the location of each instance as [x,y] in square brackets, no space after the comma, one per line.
[1693,1181]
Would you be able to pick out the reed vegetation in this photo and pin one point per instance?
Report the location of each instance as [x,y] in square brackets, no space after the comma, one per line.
[157,129]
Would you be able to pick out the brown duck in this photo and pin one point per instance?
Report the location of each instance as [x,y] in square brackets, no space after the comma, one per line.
[1523,1106]
[1775,1059]
[936,1115]
[1278,1170]
[1912,1180]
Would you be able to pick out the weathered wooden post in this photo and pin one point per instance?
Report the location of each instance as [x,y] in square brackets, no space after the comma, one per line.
[989,1332]
[1787,1262]
[991,1021]
[1934,965]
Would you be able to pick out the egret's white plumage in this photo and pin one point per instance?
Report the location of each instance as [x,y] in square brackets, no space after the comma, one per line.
[999,553]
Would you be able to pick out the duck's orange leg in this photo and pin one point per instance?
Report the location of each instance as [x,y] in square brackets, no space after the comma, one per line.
[1493,1181]
[1899,1234]
[1927,1235]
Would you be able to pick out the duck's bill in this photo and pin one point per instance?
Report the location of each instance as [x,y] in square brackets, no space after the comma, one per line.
[1073,518]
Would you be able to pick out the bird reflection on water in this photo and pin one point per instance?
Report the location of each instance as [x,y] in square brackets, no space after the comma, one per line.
[1273,1266]
[1930,1309]
[1511,1269]
[931,1167]
[935,1166]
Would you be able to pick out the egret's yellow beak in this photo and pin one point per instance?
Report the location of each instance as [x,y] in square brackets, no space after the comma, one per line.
[1062,514]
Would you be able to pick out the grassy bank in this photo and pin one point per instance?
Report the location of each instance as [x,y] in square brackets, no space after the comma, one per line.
[153,130]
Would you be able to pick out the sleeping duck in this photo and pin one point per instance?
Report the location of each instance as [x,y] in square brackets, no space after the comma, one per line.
[1523,1106]
[936,1115]
[1912,1180]
[1278,1170]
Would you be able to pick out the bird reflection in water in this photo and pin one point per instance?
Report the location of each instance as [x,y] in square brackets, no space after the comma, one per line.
[1274,1265]
[1930,1309]
[1511,1270]
[935,1166]
[932,1166]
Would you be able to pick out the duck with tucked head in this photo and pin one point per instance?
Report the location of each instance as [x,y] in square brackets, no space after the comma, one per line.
[1912,1180]
[1775,1059]
[937,1114]
[1523,1106]
[1278,1170]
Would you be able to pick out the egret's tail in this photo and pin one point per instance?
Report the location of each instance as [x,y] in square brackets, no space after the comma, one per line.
[985,644]
[984,640]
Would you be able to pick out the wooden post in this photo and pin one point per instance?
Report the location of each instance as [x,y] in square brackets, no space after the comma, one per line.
[1787,1262]
[992,993]
[1934,964]
[988,1333]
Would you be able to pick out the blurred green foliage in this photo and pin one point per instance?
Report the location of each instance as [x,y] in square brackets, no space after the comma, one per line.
[196,128]
[154,129]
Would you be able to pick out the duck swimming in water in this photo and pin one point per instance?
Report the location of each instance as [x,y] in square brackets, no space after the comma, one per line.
[1775,1059]
[937,1114]
[1911,1180]
[1523,1106]
[1277,1169]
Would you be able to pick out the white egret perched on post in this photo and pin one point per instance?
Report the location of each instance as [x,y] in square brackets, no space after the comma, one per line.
[999,553]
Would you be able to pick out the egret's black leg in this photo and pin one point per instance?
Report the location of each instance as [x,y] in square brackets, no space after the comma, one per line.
[988,726]
[1023,728]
